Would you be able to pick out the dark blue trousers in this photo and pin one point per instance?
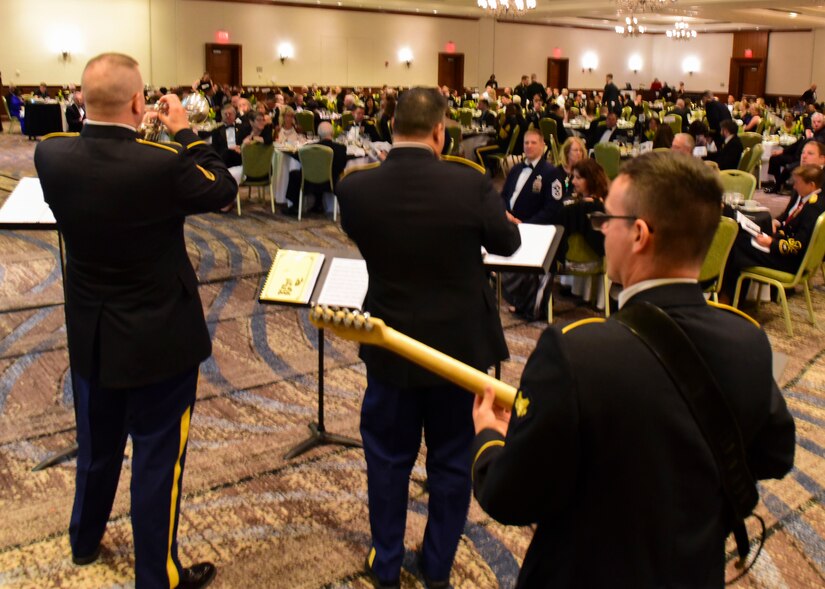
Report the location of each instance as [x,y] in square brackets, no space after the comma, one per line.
[157,418]
[391,423]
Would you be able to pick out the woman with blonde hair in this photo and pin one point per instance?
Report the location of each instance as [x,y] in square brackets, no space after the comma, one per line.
[572,151]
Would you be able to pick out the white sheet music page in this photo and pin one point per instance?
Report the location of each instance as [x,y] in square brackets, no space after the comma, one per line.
[535,242]
[346,284]
[26,204]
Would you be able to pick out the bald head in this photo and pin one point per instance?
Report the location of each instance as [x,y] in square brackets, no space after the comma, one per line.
[112,88]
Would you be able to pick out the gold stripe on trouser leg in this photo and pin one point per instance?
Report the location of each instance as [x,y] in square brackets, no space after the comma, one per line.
[171,568]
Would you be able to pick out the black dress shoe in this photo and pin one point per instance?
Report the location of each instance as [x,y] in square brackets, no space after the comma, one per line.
[431,583]
[376,582]
[770,189]
[88,559]
[198,575]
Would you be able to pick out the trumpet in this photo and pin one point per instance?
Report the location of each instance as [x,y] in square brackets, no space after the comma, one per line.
[152,129]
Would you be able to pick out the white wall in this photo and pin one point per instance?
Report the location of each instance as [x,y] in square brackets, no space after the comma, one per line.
[331,46]
[346,47]
[32,34]
[790,59]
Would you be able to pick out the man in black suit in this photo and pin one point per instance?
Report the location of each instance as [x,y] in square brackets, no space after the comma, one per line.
[42,91]
[521,89]
[729,154]
[134,320]
[809,95]
[366,127]
[420,224]
[76,113]
[554,112]
[535,88]
[611,95]
[227,140]
[339,162]
[596,409]
[715,112]
[487,118]
[605,133]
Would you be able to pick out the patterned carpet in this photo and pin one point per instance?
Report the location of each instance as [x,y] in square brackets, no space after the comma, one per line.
[271,523]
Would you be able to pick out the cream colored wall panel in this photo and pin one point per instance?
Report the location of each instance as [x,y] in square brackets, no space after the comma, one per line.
[32,35]
[712,53]
[334,60]
[818,65]
[790,61]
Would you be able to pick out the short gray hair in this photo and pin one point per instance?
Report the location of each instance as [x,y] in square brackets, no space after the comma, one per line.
[325,130]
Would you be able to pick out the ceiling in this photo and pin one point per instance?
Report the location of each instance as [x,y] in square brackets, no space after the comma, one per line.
[702,15]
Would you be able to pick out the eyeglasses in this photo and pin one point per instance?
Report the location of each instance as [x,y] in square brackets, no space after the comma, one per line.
[598,219]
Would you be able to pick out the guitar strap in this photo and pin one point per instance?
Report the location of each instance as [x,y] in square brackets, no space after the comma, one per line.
[700,391]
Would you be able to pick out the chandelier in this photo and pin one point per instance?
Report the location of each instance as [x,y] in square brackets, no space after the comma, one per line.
[681,31]
[631,27]
[497,8]
[636,6]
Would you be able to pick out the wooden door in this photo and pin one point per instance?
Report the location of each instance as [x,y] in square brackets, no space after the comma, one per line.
[223,62]
[557,71]
[747,76]
[451,70]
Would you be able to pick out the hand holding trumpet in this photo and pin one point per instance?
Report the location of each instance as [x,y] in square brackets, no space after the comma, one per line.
[172,114]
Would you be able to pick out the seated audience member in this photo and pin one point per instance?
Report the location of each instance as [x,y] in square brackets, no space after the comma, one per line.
[298,104]
[536,112]
[572,151]
[751,119]
[607,133]
[596,409]
[727,157]
[487,118]
[681,110]
[655,85]
[792,232]
[385,120]
[245,112]
[313,193]
[590,186]
[76,113]
[663,137]
[532,193]
[683,143]
[16,102]
[226,140]
[366,127]
[260,132]
[370,108]
[554,112]
[699,131]
[41,92]
[783,160]
[513,124]
[788,124]
[289,130]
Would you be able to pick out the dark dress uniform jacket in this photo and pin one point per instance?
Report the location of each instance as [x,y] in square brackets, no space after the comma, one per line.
[420,224]
[605,456]
[535,206]
[132,304]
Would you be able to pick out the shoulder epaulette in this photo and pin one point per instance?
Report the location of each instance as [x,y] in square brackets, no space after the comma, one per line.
[463,161]
[169,146]
[735,311]
[53,135]
[361,168]
[580,322]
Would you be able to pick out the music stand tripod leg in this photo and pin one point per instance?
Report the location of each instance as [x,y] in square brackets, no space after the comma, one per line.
[318,435]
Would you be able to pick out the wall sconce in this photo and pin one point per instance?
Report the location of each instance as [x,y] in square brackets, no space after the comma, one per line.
[405,55]
[590,61]
[690,65]
[635,63]
[65,54]
[285,51]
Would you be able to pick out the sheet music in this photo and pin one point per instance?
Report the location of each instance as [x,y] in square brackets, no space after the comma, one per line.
[26,204]
[346,284]
[535,243]
[748,225]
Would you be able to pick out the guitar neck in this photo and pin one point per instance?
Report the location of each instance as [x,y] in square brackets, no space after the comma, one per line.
[447,367]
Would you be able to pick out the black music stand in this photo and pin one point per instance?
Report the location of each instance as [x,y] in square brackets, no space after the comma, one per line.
[25,210]
[318,435]
[532,257]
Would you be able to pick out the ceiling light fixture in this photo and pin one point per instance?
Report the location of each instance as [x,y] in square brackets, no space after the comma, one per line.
[681,31]
[499,8]
[631,27]
[636,6]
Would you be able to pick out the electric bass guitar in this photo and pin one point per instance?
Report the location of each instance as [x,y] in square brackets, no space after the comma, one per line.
[355,326]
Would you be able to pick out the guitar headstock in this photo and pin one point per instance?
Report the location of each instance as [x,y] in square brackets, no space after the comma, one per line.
[349,324]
